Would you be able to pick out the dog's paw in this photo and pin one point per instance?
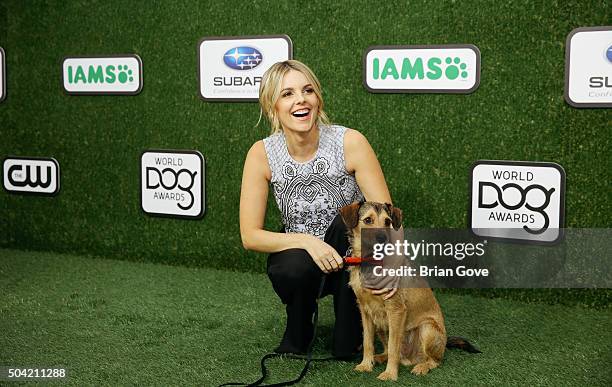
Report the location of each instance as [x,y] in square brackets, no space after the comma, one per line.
[421,369]
[364,366]
[380,358]
[387,375]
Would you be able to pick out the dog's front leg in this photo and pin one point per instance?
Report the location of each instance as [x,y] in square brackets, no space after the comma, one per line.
[368,343]
[397,321]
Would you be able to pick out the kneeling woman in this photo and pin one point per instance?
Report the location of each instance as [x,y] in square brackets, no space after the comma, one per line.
[314,168]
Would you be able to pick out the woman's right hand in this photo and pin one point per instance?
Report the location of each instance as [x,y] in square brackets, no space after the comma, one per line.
[323,255]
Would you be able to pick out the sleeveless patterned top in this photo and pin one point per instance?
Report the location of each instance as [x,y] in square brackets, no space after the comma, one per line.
[309,194]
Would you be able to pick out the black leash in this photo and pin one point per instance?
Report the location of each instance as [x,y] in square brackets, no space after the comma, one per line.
[308,358]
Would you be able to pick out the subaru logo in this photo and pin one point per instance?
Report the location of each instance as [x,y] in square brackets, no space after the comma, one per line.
[242,58]
[609,54]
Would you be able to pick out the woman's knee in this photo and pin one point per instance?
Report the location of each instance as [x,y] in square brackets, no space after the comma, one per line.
[292,267]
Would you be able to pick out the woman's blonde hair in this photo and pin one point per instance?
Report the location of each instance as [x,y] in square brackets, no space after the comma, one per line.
[270,90]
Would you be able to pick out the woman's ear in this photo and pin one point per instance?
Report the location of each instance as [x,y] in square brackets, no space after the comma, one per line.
[350,215]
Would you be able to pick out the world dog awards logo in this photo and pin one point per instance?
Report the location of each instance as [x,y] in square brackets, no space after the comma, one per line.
[414,69]
[588,67]
[31,175]
[172,183]
[2,76]
[517,200]
[103,75]
[232,68]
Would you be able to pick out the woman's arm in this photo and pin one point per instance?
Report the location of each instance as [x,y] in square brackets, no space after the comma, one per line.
[361,159]
[253,200]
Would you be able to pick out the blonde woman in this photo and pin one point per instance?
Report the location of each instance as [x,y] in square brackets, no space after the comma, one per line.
[314,168]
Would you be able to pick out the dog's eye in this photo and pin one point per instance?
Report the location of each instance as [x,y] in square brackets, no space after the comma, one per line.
[367,220]
[387,222]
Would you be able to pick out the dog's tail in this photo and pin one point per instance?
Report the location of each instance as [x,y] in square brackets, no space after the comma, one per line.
[461,343]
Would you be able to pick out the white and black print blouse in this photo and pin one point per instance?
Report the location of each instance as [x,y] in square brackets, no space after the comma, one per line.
[309,194]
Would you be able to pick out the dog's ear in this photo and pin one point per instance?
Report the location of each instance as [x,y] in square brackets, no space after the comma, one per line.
[396,216]
[350,215]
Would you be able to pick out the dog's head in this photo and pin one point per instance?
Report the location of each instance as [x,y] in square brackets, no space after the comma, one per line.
[361,215]
[364,215]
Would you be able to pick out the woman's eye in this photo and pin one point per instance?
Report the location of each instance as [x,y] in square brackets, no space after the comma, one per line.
[367,220]
[308,91]
[286,94]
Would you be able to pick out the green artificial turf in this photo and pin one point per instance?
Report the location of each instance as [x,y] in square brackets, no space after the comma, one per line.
[426,143]
[120,323]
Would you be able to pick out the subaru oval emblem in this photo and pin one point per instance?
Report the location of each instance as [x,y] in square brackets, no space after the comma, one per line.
[242,58]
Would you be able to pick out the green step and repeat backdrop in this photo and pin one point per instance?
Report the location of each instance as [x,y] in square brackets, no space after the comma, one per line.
[427,143]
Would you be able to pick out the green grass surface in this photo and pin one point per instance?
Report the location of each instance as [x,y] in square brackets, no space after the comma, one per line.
[118,323]
[426,142]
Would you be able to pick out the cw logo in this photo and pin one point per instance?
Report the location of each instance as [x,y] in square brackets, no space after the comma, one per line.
[37,176]
[416,68]
[100,74]
[28,181]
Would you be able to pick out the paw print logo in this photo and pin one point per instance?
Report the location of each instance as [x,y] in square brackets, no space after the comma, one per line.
[455,69]
[125,74]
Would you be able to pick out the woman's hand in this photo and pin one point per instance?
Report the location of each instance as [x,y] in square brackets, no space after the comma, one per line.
[385,292]
[323,255]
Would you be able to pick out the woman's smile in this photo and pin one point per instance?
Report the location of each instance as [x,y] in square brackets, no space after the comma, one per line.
[302,114]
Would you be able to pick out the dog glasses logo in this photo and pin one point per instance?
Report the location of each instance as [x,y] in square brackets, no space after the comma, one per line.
[171,179]
[35,175]
[505,191]
[172,183]
[242,58]
[525,199]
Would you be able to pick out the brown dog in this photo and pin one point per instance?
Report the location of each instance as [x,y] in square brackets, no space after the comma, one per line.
[409,324]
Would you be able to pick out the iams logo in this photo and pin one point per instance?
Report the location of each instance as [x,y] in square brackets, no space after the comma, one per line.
[31,175]
[422,69]
[517,200]
[172,183]
[242,58]
[102,75]
[434,68]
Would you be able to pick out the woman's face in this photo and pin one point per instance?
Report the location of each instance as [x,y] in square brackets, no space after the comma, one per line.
[297,105]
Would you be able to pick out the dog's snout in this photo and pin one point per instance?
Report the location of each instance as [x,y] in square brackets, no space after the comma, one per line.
[381,237]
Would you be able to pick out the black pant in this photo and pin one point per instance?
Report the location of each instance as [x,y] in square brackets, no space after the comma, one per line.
[296,280]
